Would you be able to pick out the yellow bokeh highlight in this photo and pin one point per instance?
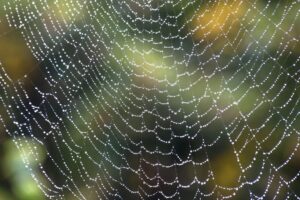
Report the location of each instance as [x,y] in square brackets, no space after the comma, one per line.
[15,57]
[67,10]
[211,21]
[226,169]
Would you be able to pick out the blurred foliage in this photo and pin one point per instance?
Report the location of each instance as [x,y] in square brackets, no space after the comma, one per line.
[219,23]
[14,53]
[16,179]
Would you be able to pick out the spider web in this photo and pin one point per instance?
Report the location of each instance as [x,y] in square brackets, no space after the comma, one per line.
[158,99]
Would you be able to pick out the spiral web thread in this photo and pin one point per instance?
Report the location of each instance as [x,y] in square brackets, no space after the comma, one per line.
[158,99]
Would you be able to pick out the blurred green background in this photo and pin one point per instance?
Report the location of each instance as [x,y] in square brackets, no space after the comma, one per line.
[214,19]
